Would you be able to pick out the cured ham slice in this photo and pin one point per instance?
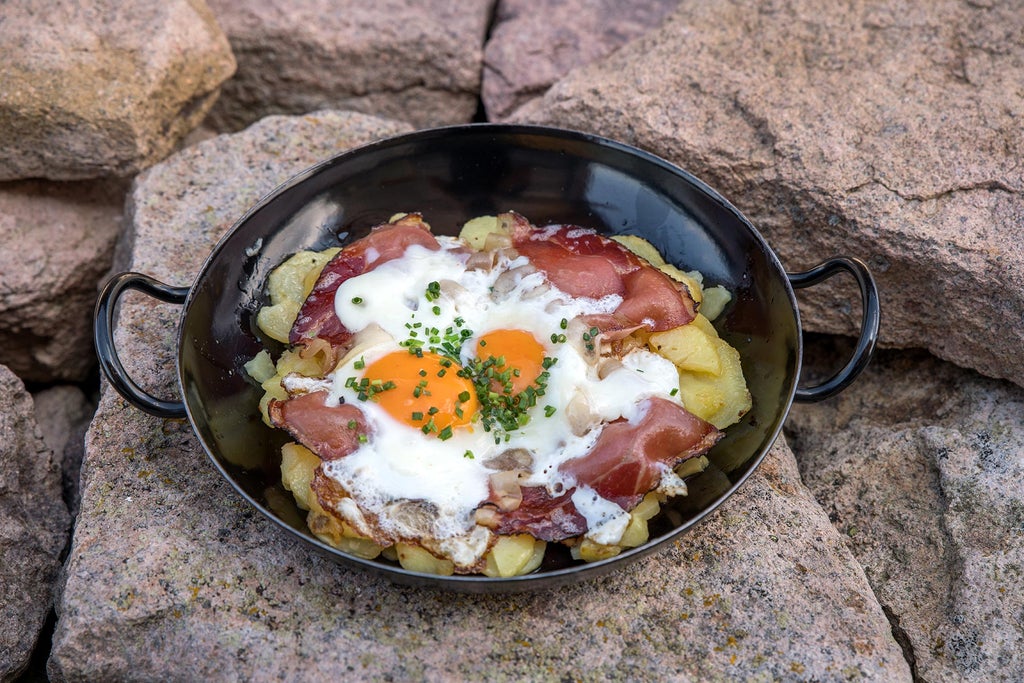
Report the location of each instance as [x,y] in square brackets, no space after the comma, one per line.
[385,242]
[625,464]
[332,432]
[582,263]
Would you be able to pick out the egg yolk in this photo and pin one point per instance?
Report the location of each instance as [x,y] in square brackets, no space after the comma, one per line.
[426,391]
[516,352]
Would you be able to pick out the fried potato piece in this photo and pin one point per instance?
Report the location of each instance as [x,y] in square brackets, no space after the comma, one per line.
[648,252]
[690,347]
[636,533]
[418,559]
[514,555]
[288,285]
[722,398]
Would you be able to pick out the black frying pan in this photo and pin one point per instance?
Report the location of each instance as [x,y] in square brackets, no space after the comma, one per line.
[450,175]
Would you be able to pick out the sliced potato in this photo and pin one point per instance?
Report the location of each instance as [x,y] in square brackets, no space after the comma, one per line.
[417,559]
[720,400]
[642,248]
[298,464]
[591,551]
[715,301]
[475,231]
[691,280]
[261,367]
[690,347]
[514,555]
[288,286]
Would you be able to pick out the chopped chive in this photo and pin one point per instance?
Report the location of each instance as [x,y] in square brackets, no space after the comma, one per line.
[445,433]
[359,364]
[417,416]
[674,391]
[352,424]
[468,454]
[549,411]
[362,438]
[357,300]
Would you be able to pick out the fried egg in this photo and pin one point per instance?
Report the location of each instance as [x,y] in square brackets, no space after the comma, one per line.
[441,351]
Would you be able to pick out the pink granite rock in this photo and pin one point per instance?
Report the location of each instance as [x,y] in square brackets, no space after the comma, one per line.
[886,132]
[33,527]
[921,469]
[412,61]
[173,576]
[103,87]
[63,413]
[533,44]
[59,241]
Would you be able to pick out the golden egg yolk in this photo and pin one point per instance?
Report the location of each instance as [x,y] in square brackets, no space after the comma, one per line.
[427,391]
[517,352]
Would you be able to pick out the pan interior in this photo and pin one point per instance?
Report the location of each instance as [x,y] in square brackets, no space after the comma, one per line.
[451,175]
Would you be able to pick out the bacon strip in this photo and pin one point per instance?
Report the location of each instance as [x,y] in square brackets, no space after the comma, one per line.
[581,262]
[332,432]
[625,464]
[385,242]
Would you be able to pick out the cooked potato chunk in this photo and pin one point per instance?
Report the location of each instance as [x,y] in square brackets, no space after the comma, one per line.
[417,559]
[289,284]
[514,555]
[298,464]
[475,232]
[715,301]
[720,399]
[690,347]
[642,248]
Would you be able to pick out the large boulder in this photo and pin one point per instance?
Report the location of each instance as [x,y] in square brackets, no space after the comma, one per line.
[888,133]
[33,527]
[533,43]
[412,61]
[103,87]
[173,576]
[59,241]
[921,468]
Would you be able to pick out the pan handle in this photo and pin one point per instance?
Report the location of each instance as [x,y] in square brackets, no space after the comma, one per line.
[868,326]
[103,338]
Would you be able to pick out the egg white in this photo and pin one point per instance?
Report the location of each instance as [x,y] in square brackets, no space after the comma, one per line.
[400,462]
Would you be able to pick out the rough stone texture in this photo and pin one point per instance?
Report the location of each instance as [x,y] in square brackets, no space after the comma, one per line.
[33,526]
[533,44]
[921,469]
[105,87]
[63,414]
[172,576]
[59,239]
[888,132]
[412,61]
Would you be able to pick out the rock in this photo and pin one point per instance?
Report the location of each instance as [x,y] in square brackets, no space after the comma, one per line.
[173,576]
[891,135]
[33,527]
[533,44]
[105,87]
[60,241]
[63,414]
[412,61]
[920,466]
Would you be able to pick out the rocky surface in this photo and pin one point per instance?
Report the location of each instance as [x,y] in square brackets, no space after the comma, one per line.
[63,237]
[33,526]
[63,413]
[921,468]
[416,62]
[172,575]
[105,87]
[534,43]
[886,132]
